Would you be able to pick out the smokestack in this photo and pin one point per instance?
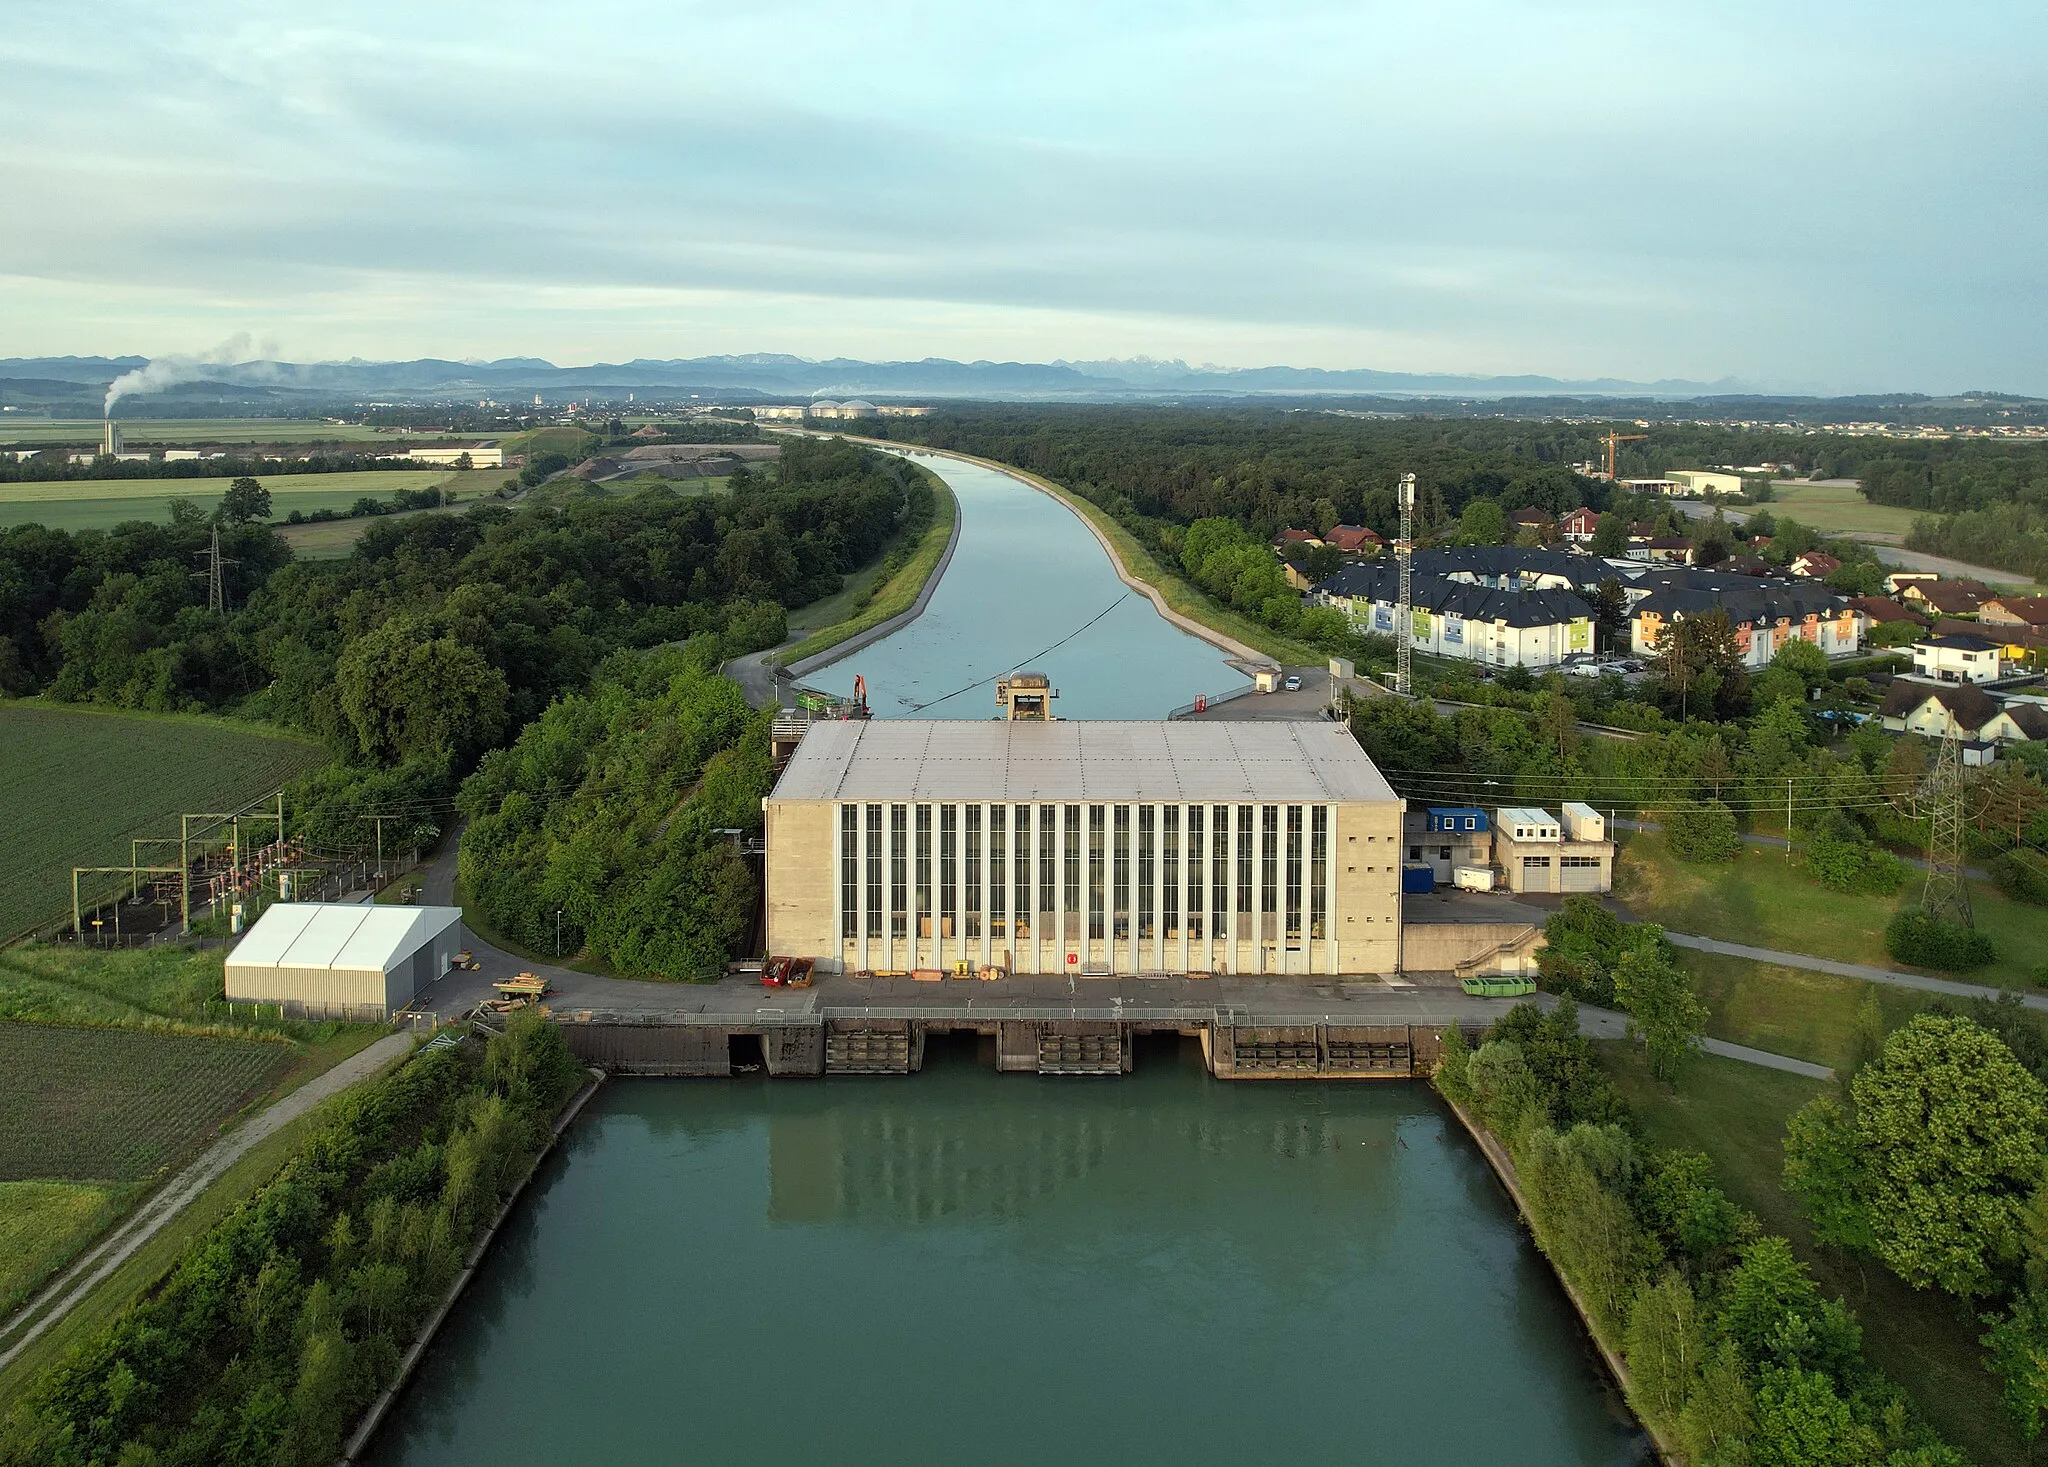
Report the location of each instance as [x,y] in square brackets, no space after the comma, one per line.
[110,440]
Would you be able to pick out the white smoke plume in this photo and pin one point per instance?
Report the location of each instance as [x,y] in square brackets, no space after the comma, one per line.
[186,367]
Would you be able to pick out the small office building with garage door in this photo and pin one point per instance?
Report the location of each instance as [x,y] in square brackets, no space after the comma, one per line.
[1084,848]
[337,960]
[1537,852]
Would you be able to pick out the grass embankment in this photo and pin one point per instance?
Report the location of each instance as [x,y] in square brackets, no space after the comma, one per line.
[76,785]
[572,443]
[1763,900]
[100,504]
[899,592]
[1736,1114]
[1792,1011]
[44,1225]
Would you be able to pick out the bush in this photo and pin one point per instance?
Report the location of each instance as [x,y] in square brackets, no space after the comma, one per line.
[2023,876]
[1703,831]
[1926,942]
[1853,865]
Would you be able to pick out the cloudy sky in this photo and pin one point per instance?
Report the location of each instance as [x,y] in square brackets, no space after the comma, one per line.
[1826,194]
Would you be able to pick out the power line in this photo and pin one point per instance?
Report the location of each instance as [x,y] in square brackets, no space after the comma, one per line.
[1043,652]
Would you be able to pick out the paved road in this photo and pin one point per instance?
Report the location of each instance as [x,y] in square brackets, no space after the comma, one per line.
[762,687]
[62,1296]
[1851,970]
[1883,545]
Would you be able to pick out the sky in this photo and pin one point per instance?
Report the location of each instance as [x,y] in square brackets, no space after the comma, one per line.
[1828,195]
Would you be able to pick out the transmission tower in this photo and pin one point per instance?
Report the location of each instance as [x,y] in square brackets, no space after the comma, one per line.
[1404,636]
[1946,896]
[216,587]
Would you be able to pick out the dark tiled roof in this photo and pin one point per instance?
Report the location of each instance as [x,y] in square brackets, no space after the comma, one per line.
[1971,706]
[1381,581]
[1696,592]
[2032,719]
[1882,608]
[1965,642]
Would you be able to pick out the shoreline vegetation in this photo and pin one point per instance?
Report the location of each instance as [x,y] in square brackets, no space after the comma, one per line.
[906,568]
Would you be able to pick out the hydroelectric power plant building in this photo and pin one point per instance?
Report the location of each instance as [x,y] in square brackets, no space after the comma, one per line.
[1084,848]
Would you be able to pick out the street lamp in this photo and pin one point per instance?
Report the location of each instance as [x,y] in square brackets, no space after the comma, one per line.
[558,933]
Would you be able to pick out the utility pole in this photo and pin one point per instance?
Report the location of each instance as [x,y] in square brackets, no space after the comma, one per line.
[1788,820]
[1404,634]
[216,587]
[1946,897]
[378,821]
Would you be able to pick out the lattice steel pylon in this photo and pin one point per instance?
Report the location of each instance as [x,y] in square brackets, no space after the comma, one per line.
[1946,896]
[1404,621]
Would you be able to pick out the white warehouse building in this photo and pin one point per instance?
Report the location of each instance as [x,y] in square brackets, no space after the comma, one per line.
[343,960]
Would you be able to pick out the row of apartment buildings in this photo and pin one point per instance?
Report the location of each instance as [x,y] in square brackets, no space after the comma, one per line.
[1513,606]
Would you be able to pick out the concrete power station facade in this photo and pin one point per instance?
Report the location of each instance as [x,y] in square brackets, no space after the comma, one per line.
[1084,848]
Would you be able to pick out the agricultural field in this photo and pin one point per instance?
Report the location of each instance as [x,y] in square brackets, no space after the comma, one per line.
[116,1105]
[149,432]
[1837,507]
[99,504]
[75,786]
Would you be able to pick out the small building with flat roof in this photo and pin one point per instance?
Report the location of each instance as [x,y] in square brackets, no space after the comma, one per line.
[343,960]
[1084,848]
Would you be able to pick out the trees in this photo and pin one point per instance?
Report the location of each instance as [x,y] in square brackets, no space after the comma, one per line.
[1663,1010]
[1484,522]
[1699,661]
[1610,616]
[1703,830]
[1913,936]
[1610,536]
[245,500]
[2007,796]
[1935,1160]
[408,693]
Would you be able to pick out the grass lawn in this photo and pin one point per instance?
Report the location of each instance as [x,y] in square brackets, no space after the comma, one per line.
[1795,1011]
[100,504]
[138,433]
[901,589]
[1761,900]
[1736,1114]
[77,784]
[1837,509]
[575,443]
[43,1225]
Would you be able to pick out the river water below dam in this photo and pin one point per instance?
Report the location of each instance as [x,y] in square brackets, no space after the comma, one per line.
[963,1267]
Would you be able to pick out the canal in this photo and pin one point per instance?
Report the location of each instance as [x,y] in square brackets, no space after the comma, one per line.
[961,1267]
[1028,574]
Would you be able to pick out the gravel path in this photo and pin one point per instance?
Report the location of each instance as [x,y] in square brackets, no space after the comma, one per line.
[62,1296]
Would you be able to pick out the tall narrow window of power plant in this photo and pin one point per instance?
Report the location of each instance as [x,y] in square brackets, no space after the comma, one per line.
[899,868]
[1294,875]
[1269,873]
[1195,881]
[1169,872]
[1318,870]
[971,853]
[849,871]
[1146,817]
[1219,869]
[1070,926]
[1120,874]
[874,863]
[922,873]
[949,871]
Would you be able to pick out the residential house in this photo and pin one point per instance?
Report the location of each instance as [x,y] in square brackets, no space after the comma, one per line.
[1765,615]
[1896,581]
[1663,550]
[2024,611]
[1959,659]
[2020,644]
[1356,540]
[1815,565]
[1936,710]
[1534,519]
[1462,618]
[1746,565]
[1308,539]
[1946,598]
[1882,610]
[1579,527]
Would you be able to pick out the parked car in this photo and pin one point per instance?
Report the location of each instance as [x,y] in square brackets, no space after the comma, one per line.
[1293,684]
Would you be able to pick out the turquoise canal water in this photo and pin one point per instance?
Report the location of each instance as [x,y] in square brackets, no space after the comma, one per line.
[1026,574]
[961,1267]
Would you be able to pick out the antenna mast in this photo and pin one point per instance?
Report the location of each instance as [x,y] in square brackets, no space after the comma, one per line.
[1946,897]
[1404,638]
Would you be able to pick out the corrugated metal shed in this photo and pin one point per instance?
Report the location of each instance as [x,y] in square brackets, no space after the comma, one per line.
[343,959]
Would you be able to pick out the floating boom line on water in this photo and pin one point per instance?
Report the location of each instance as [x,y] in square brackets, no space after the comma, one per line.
[1042,652]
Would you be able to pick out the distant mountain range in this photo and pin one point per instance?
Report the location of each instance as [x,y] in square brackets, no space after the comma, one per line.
[764,376]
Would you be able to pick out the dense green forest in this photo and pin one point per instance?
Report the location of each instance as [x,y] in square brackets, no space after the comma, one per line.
[441,635]
[2012,537]
[287,1318]
[615,808]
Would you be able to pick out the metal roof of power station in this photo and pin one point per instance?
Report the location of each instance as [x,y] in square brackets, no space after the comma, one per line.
[338,935]
[905,759]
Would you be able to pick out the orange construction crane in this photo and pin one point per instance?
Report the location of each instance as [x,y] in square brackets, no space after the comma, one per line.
[1616,438]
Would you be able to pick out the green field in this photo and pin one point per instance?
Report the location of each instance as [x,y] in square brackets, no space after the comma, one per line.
[76,785]
[100,504]
[148,432]
[1736,1114]
[42,1225]
[116,1105]
[1761,900]
[1794,1011]
[1838,509]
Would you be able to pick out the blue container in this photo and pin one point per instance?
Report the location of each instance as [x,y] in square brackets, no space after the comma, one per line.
[1418,878]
